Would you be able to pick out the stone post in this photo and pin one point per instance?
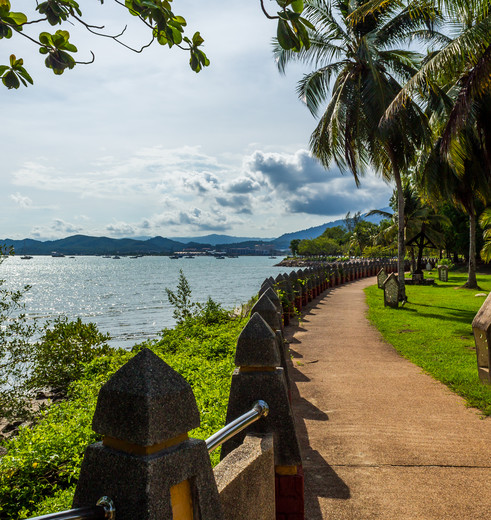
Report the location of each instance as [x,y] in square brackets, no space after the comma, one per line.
[443,273]
[381,277]
[391,291]
[481,326]
[259,376]
[146,463]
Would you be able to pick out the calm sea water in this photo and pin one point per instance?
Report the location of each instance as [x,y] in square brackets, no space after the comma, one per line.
[127,297]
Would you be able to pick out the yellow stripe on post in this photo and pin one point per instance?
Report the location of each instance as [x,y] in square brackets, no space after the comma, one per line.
[181,501]
[286,470]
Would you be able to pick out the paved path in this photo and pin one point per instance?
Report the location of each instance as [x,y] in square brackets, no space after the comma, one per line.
[380,439]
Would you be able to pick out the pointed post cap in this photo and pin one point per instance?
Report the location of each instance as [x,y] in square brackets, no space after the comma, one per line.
[279,278]
[257,345]
[273,297]
[268,311]
[145,402]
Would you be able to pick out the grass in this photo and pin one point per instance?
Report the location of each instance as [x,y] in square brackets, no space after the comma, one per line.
[433,330]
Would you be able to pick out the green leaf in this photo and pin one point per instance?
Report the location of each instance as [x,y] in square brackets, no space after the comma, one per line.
[307,23]
[180,20]
[10,80]
[18,18]
[297,6]
[197,40]
[3,68]
[46,39]
[286,37]
[23,72]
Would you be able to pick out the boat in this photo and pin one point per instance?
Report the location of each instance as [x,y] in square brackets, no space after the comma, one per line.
[271,256]
[220,257]
[25,257]
[116,257]
[106,256]
[55,254]
[174,257]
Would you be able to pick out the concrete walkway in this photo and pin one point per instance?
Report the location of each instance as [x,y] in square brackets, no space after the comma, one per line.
[380,439]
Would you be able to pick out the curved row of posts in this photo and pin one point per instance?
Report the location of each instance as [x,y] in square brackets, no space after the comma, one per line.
[151,469]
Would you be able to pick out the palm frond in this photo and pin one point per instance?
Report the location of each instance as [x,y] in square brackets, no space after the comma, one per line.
[313,88]
[460,55]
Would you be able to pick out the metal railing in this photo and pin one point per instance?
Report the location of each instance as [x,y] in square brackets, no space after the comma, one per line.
[259,409]
[103,510]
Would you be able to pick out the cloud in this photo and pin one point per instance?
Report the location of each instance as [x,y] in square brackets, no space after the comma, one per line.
[201,182]
[288,172]
[21,200]
[121,229]
[303,185]
[239,203]
[242,185]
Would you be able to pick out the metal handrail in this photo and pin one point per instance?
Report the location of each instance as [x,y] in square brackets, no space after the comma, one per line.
[103,510]
[259,409]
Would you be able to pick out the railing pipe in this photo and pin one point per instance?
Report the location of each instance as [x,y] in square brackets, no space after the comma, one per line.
[104,510]
[259,409]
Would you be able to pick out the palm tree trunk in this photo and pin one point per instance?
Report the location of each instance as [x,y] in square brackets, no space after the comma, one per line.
[471,275]
[400,229]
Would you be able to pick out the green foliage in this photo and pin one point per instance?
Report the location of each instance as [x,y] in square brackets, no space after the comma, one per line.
[294,246]
[44,460]
[485,222]
[380,251]
[16,333]
[165,27]
[58,358]
[447,262]
[16,74]
[181,299]
[40,470]
[433,330]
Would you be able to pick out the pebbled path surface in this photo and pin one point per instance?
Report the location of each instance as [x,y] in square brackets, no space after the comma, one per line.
[380,439]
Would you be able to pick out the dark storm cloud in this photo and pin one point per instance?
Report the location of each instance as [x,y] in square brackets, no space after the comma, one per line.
[290,172]
[242,185]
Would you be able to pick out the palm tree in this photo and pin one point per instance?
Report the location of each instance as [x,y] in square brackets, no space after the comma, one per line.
[465,186]
[362,62]
[455,83]
[419,217]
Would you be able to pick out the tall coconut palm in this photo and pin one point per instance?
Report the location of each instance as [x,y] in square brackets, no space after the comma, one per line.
[364,64]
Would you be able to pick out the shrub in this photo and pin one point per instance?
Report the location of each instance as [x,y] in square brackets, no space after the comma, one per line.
[58,358]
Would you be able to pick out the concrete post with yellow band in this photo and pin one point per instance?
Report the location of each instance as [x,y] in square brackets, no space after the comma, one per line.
[259,376]
[146,462]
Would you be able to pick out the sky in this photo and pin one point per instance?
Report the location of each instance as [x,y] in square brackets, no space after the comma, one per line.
[139,145]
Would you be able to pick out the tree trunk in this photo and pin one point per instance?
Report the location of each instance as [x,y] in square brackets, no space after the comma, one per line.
[471,275]
[400,230]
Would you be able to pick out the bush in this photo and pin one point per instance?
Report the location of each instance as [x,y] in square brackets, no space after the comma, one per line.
[58,358]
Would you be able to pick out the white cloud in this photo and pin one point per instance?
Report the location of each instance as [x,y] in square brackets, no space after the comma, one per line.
[21,200]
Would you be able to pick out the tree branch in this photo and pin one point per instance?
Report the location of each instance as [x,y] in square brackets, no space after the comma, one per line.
[266,14]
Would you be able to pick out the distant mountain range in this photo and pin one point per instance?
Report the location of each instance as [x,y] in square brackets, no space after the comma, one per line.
[87,245]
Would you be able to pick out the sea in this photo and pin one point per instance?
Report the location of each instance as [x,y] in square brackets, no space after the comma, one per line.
[126,297]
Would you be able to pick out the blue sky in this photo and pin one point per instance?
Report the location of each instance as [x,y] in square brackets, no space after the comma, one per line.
[139,145]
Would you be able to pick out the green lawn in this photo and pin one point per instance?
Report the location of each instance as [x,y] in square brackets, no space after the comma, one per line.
[433,330]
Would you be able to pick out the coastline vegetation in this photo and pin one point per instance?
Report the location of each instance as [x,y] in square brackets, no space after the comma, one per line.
[40,465]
